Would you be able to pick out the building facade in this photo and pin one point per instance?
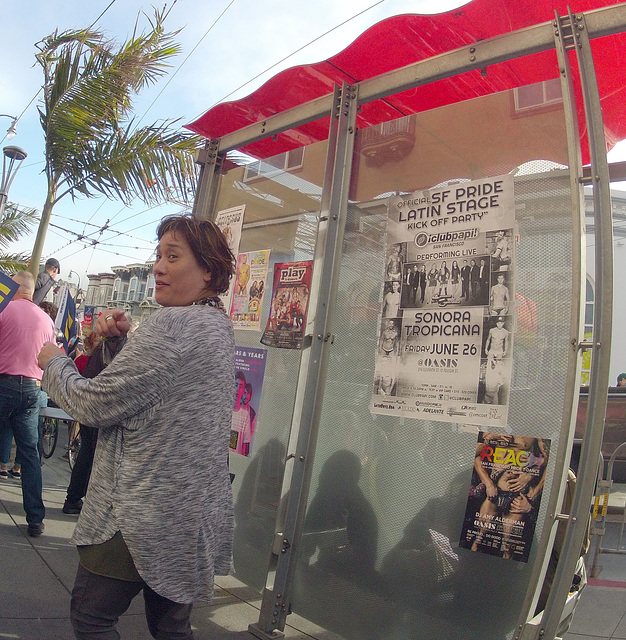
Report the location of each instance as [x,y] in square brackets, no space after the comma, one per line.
[128,287]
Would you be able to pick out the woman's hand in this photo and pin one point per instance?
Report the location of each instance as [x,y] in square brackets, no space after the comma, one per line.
[112,323]
[48,351]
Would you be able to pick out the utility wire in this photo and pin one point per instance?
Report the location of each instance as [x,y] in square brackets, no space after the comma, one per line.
[185,60]
[40,90]
[100,16]
[293,54]
[91,224]
[82,238]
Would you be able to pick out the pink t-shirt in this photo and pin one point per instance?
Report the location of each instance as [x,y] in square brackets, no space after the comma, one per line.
[24,328]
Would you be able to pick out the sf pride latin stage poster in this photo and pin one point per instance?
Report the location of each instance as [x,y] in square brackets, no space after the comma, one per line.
[446,326]
[290,300]
[249,374]
[230,222]
[505,495]
[249,291]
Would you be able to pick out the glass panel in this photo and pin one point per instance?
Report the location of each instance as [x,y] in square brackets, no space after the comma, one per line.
[281,215]
[388,494]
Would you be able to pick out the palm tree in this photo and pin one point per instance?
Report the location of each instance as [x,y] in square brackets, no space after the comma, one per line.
[92,146]
[15,222]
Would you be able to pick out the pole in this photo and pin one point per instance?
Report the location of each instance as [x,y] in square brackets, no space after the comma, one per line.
[15,157]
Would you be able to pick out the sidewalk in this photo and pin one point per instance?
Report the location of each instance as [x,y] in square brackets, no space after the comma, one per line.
[601,612]
[38,574]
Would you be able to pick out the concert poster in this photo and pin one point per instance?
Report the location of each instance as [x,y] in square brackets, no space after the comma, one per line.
[505,495]
[230,223]
[445,340]
[249,290]
[289,305]
[249,374]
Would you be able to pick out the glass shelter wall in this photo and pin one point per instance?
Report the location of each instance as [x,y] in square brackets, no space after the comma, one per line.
[388,494]
[282,203]
[358,518]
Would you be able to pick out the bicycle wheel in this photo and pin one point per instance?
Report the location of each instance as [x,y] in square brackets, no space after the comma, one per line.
[74,448]
[49,436]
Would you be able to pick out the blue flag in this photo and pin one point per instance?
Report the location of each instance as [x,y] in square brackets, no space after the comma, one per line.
[66,317]
[8,288]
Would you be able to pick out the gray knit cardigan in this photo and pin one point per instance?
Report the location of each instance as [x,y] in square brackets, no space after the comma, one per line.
[160,476]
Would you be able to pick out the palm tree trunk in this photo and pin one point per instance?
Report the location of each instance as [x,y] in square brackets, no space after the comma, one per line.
[43,228]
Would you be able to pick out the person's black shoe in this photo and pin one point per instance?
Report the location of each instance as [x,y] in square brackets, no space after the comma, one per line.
[35,530]
[72,508]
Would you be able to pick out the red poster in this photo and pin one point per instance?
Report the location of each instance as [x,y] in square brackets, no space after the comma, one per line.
[290,301]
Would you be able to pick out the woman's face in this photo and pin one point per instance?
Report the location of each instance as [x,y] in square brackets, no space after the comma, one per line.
[179,279]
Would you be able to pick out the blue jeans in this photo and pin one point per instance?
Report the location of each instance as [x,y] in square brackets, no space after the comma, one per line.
[6,444]
[19,414]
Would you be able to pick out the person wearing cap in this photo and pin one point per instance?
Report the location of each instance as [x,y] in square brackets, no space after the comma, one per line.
[621,380]
[45,280]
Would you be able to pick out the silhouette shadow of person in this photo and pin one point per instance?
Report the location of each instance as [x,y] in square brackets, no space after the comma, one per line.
[336,570]
[256,507]
[445,591]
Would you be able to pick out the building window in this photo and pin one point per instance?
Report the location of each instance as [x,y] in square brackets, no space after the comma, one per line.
[150,292]
[132,290]
[538,95]
[288,161]
[117,285]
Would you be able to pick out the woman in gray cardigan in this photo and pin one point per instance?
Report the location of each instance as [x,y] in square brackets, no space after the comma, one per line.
[145,525]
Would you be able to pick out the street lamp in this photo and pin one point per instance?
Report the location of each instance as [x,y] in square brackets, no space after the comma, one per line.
[78,290]
[12,130]
[15,156]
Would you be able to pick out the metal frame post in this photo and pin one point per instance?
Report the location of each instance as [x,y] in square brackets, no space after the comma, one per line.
[601,350]
[309,396]
[563,38]
[210,160]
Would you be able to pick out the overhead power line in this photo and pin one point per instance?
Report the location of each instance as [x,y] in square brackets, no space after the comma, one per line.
[40,90]
[180,66]
[258,75]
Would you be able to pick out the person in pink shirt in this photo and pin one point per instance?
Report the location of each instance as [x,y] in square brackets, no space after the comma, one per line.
[24,328]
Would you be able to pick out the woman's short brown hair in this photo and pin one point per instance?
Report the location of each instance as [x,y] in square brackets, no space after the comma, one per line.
[208,245]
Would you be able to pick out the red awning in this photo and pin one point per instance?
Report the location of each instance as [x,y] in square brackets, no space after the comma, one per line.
[406,39]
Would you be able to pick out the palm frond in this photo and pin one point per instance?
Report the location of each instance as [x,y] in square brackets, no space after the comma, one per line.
[150,163]
[16,221]
[12,262]
[89,86]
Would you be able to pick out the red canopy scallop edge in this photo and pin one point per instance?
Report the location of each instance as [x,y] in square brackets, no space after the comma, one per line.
[406,39]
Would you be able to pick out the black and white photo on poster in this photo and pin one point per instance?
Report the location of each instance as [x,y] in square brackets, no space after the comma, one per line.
[446,316]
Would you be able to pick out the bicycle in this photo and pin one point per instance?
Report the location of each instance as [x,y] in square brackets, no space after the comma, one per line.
[73,445]
[49,418]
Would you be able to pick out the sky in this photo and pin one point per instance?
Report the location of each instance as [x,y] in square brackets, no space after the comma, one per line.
[225,45]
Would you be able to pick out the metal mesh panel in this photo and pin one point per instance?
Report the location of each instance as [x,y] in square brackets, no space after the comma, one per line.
[380,555]
[282,207]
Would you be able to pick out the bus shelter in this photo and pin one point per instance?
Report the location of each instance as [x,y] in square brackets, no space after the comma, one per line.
[410,293]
